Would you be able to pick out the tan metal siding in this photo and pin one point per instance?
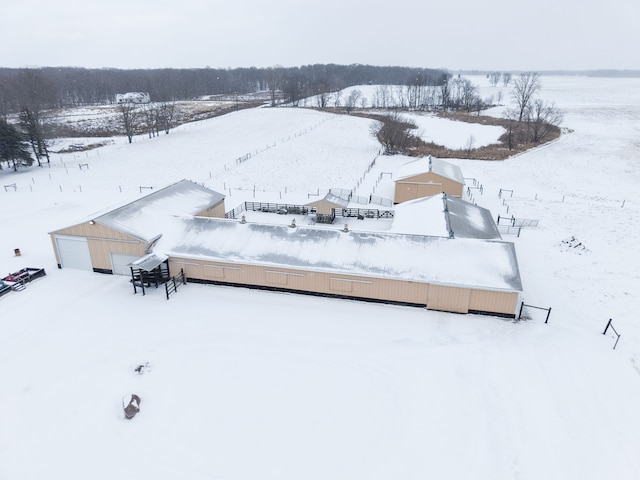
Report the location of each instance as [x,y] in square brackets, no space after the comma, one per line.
[435,297]
[425,185]
[303,280]
[322,207]
[496,302]
[410,191]
[217,211]
[448,299]
[102,242]
[101,250]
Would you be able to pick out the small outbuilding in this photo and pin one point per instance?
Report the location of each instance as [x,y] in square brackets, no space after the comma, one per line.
[325,208]
[426,177]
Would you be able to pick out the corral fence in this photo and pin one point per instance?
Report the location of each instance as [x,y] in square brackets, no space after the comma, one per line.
[171,286]
[342,193]
[548,310]
[517,222]
[513,226]
[285,208]
[385,202]
[281,208]
[235,213]
[504,191]
[509,230]
[362,213]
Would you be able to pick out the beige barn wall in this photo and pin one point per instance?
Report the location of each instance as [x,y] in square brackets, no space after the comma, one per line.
[410,191]
[448,299]
[498,302]
[303,280]
[322,207]
[100,251]
[434,297]
[425,185]
[217,211]
[102,242]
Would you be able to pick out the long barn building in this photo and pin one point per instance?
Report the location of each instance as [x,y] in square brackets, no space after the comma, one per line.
[178,227]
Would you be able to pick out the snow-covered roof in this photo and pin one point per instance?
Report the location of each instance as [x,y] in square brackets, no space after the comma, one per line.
[149,261]
[443,216]
[467,220]
[145,218]
[490,265]
[430,164]
[422,216]
[334,199]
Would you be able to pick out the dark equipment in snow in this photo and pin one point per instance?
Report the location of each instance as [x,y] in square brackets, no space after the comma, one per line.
[133,407]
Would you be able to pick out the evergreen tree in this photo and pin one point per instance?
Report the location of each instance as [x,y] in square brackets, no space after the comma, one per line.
[14,150]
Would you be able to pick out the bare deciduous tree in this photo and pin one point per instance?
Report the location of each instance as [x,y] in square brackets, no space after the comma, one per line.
[445,92]
[166,115]
[393,132]
[336,98]
[494,78]
[274,81]
[506,78]
[512,129]
[524,88]
[129,119]
[542,117]
[352,100]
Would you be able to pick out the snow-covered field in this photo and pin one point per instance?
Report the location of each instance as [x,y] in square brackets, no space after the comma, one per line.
[245,384]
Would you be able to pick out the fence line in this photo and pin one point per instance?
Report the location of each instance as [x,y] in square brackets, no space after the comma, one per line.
[538,308]
[610,325]
[171,286]
[385,202]
[517,222]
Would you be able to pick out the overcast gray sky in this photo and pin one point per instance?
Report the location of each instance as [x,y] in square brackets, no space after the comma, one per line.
[463,34]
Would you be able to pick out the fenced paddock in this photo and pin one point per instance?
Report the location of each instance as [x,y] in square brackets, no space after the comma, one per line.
[286,208]
[280,208]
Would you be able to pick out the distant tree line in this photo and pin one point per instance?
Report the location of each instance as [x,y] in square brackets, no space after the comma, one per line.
[72,87]
[26,93]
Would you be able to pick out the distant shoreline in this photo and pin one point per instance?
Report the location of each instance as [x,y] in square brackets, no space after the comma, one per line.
[606,73]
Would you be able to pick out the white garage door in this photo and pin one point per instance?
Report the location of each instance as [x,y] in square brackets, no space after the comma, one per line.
[119,263]
[74,252]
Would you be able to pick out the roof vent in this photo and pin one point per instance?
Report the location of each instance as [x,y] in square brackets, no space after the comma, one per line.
[293,223]
[346,227]
[243,219]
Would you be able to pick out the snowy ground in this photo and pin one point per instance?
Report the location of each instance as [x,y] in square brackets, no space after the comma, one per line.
[245,384]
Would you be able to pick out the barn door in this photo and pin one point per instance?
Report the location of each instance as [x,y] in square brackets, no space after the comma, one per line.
[74,252]
[120,262]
